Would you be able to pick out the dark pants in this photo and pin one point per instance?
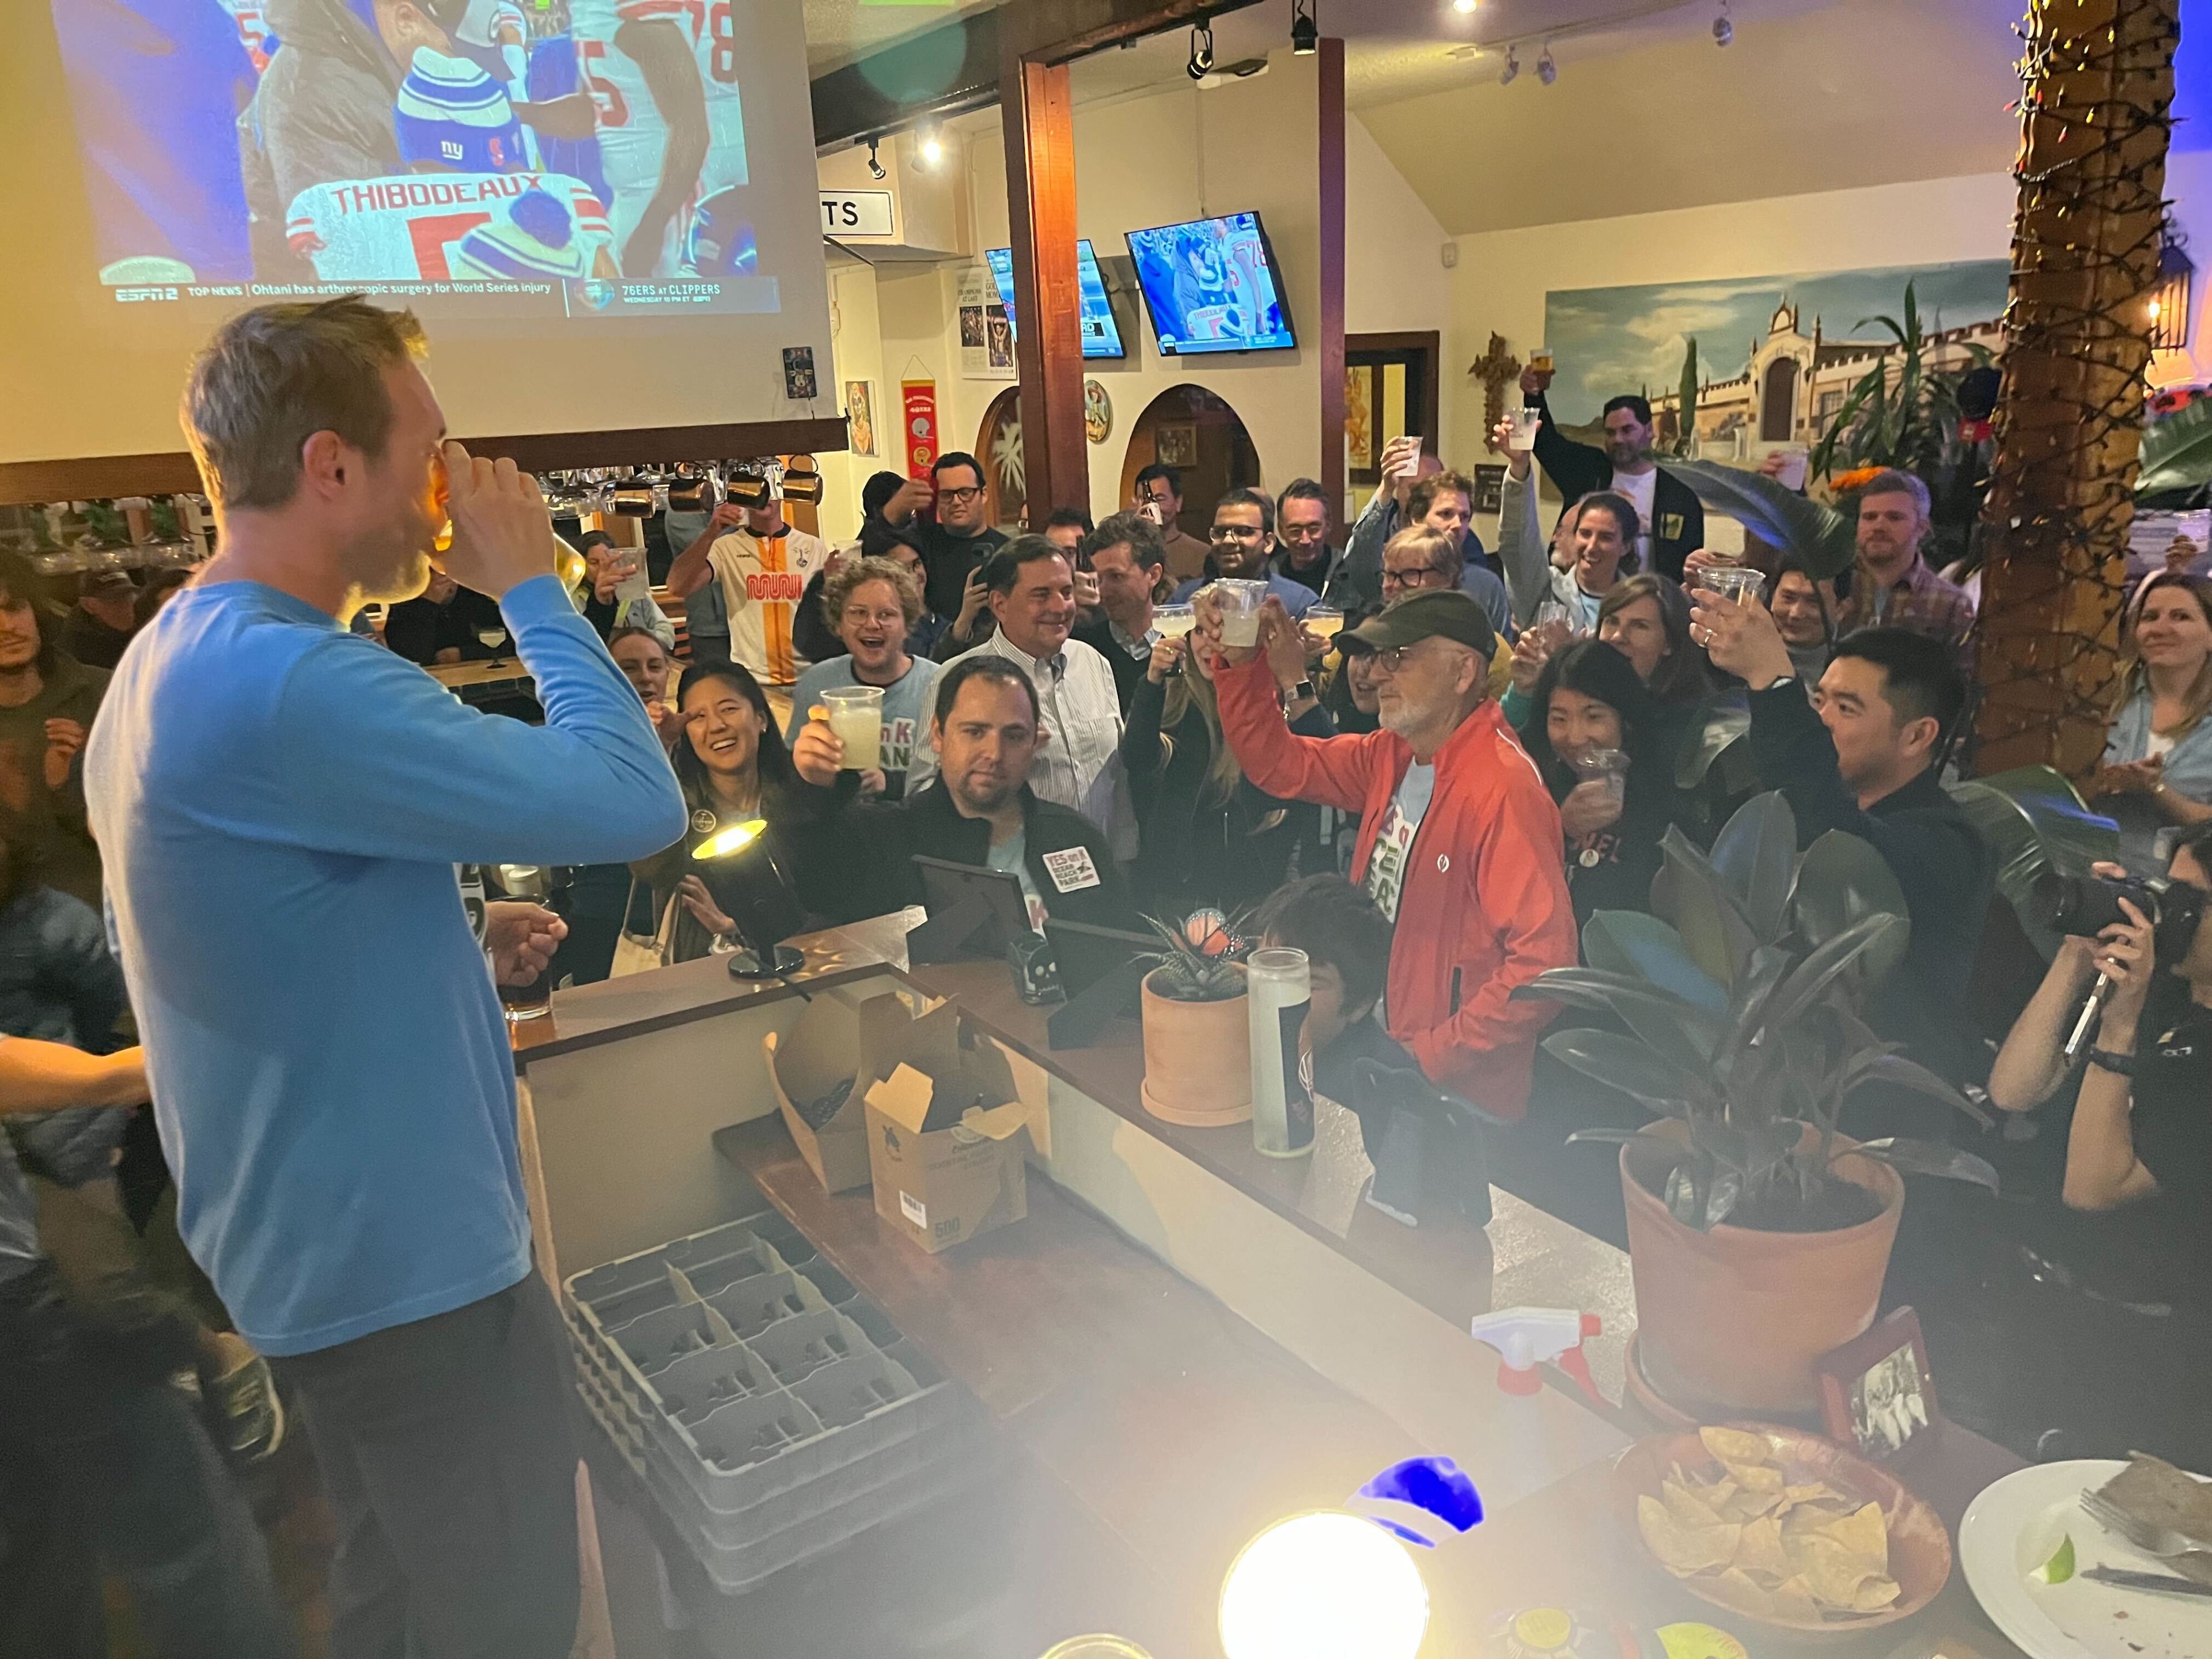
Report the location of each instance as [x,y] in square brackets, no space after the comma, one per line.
[102,1463]
[449,1458]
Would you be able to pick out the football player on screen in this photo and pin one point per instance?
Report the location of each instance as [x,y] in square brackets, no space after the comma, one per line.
[662,76]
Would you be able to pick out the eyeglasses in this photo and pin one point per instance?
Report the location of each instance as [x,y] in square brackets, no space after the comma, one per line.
[957,496]
[1237,532]
[1412,577]
[1391,661]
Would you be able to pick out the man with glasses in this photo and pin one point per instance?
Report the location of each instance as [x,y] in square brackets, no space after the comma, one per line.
[1159,498]
[1459,842]
[954,539]
[1301,525]
[1421,493]
[1244,548]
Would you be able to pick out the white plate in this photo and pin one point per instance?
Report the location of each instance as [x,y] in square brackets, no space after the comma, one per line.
[2012,1528]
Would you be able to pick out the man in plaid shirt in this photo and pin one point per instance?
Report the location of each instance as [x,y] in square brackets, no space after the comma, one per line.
[1892,585]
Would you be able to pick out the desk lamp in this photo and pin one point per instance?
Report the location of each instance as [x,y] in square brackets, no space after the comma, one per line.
[759,901]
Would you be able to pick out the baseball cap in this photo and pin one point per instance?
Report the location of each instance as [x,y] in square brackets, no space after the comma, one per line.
[109,581]
[1449,613]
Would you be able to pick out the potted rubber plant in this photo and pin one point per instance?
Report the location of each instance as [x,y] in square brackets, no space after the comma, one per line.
[1758,1233]
[1197,1048]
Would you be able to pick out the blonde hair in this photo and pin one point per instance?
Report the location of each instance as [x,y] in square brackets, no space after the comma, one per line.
[273,377]
[2134,678]
[855,572]
[1192,690]
[1437,550]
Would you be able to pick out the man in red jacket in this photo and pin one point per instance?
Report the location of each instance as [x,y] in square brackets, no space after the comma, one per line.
[1459,842]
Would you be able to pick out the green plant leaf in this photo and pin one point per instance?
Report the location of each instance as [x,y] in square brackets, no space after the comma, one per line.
[1893,1071]
[1685,1036]
[1932,1158]
[1827,963]
[1622,1063]
[1720,726]
[1816,532]
[2177,451]
[1629,942]
[1841,881]
[1688,892]
[2036,824]
[1608,1136]
[1755,855]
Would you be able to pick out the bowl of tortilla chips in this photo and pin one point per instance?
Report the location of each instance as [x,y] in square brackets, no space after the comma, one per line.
[1784,1527]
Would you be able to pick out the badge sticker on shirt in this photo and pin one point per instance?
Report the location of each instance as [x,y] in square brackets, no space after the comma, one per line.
[703,823]
[1071,870]
[1670,526]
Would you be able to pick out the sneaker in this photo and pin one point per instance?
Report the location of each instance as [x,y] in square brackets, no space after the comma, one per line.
[249,1417]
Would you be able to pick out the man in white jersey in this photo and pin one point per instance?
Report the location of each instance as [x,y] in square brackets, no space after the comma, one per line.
[663,79]
[431,228]
[762,566]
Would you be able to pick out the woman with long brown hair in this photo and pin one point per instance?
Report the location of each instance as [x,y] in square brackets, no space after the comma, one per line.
[2157,769]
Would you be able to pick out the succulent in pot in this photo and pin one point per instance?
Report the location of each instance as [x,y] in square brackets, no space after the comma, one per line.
[1198,1054]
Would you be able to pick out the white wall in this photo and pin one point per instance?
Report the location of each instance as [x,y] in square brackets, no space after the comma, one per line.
[1504,275]
[1395,279]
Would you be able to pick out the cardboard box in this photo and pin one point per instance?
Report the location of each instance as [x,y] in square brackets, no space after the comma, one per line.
[947,1138]
[843,1034]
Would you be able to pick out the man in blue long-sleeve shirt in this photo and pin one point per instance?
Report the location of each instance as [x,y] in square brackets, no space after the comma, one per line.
[281,805]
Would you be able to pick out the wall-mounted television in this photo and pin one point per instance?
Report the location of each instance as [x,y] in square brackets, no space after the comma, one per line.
[1101,335]
[1210,285]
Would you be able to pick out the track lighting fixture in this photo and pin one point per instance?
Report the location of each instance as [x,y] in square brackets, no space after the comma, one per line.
[1724,29]
[1202,49]
[1305,31]
[876,168]
[1512,65]
[1546,71]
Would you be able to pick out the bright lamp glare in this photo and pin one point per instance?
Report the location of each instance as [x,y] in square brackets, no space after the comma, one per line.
[1464,5]
[1323,1586]
[723,843]
[932,151]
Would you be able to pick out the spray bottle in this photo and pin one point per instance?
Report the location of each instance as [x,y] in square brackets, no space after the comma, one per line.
[1524,1337]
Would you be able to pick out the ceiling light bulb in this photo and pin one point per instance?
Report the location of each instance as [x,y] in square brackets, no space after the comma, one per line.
[1201,50]
[1463,7]
[1723,30]
[1305,32]
[1546,71]
[1513,67]
[930,151]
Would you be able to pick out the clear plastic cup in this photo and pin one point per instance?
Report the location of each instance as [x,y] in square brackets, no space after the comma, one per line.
[1525,422]
[1733,581]
[1324,621]
[856,715]
[1541,359]
[1792,475]
[1240,602]
[1607,766]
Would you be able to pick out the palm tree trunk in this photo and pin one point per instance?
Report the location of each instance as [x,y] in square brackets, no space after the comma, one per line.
[2097,81]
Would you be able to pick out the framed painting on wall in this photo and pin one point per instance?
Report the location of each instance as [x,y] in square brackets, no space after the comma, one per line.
[861,414]
[1176,445]
[1359,445]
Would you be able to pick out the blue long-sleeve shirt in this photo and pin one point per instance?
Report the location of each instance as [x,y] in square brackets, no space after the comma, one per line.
[280,805]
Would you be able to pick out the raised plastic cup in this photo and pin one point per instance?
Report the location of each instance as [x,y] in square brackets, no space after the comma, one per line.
[1240,602]
[1734,581]
[1525,423]
[1324,622]
[1607,766]
[856,715]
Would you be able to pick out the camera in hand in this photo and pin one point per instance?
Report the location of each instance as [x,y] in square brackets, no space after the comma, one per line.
[2084,906]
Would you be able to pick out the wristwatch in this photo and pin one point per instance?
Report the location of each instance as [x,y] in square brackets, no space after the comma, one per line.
[2118,1065]
[1303,692]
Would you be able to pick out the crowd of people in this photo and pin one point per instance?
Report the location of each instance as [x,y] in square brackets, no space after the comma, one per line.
[1432,801]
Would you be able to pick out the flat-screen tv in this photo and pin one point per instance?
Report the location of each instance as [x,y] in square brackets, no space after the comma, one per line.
[1101,335]
[1210,286]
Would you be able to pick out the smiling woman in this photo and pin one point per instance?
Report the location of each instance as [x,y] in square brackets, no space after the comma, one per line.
[2157,769]
[872,604]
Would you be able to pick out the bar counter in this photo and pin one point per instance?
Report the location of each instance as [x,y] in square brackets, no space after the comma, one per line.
[1182,1341]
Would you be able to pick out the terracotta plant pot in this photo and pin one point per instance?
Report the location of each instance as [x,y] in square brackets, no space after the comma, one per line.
[1197,1061]
[1735,1317]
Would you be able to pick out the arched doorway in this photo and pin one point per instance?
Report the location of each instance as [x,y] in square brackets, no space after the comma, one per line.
[999,446]
[1778,403]
[1204,440]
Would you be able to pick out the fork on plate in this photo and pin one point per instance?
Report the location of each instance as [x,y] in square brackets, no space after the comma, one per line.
[2177,1549]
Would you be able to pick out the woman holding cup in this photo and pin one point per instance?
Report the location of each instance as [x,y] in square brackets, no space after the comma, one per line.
[1592,549]
[1597,744]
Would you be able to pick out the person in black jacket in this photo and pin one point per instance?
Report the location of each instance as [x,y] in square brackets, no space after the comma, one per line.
[1206,836]
[1587,699]
[1127,556]
[440,625]
[1867,761]
[978,811]
[1673,519]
